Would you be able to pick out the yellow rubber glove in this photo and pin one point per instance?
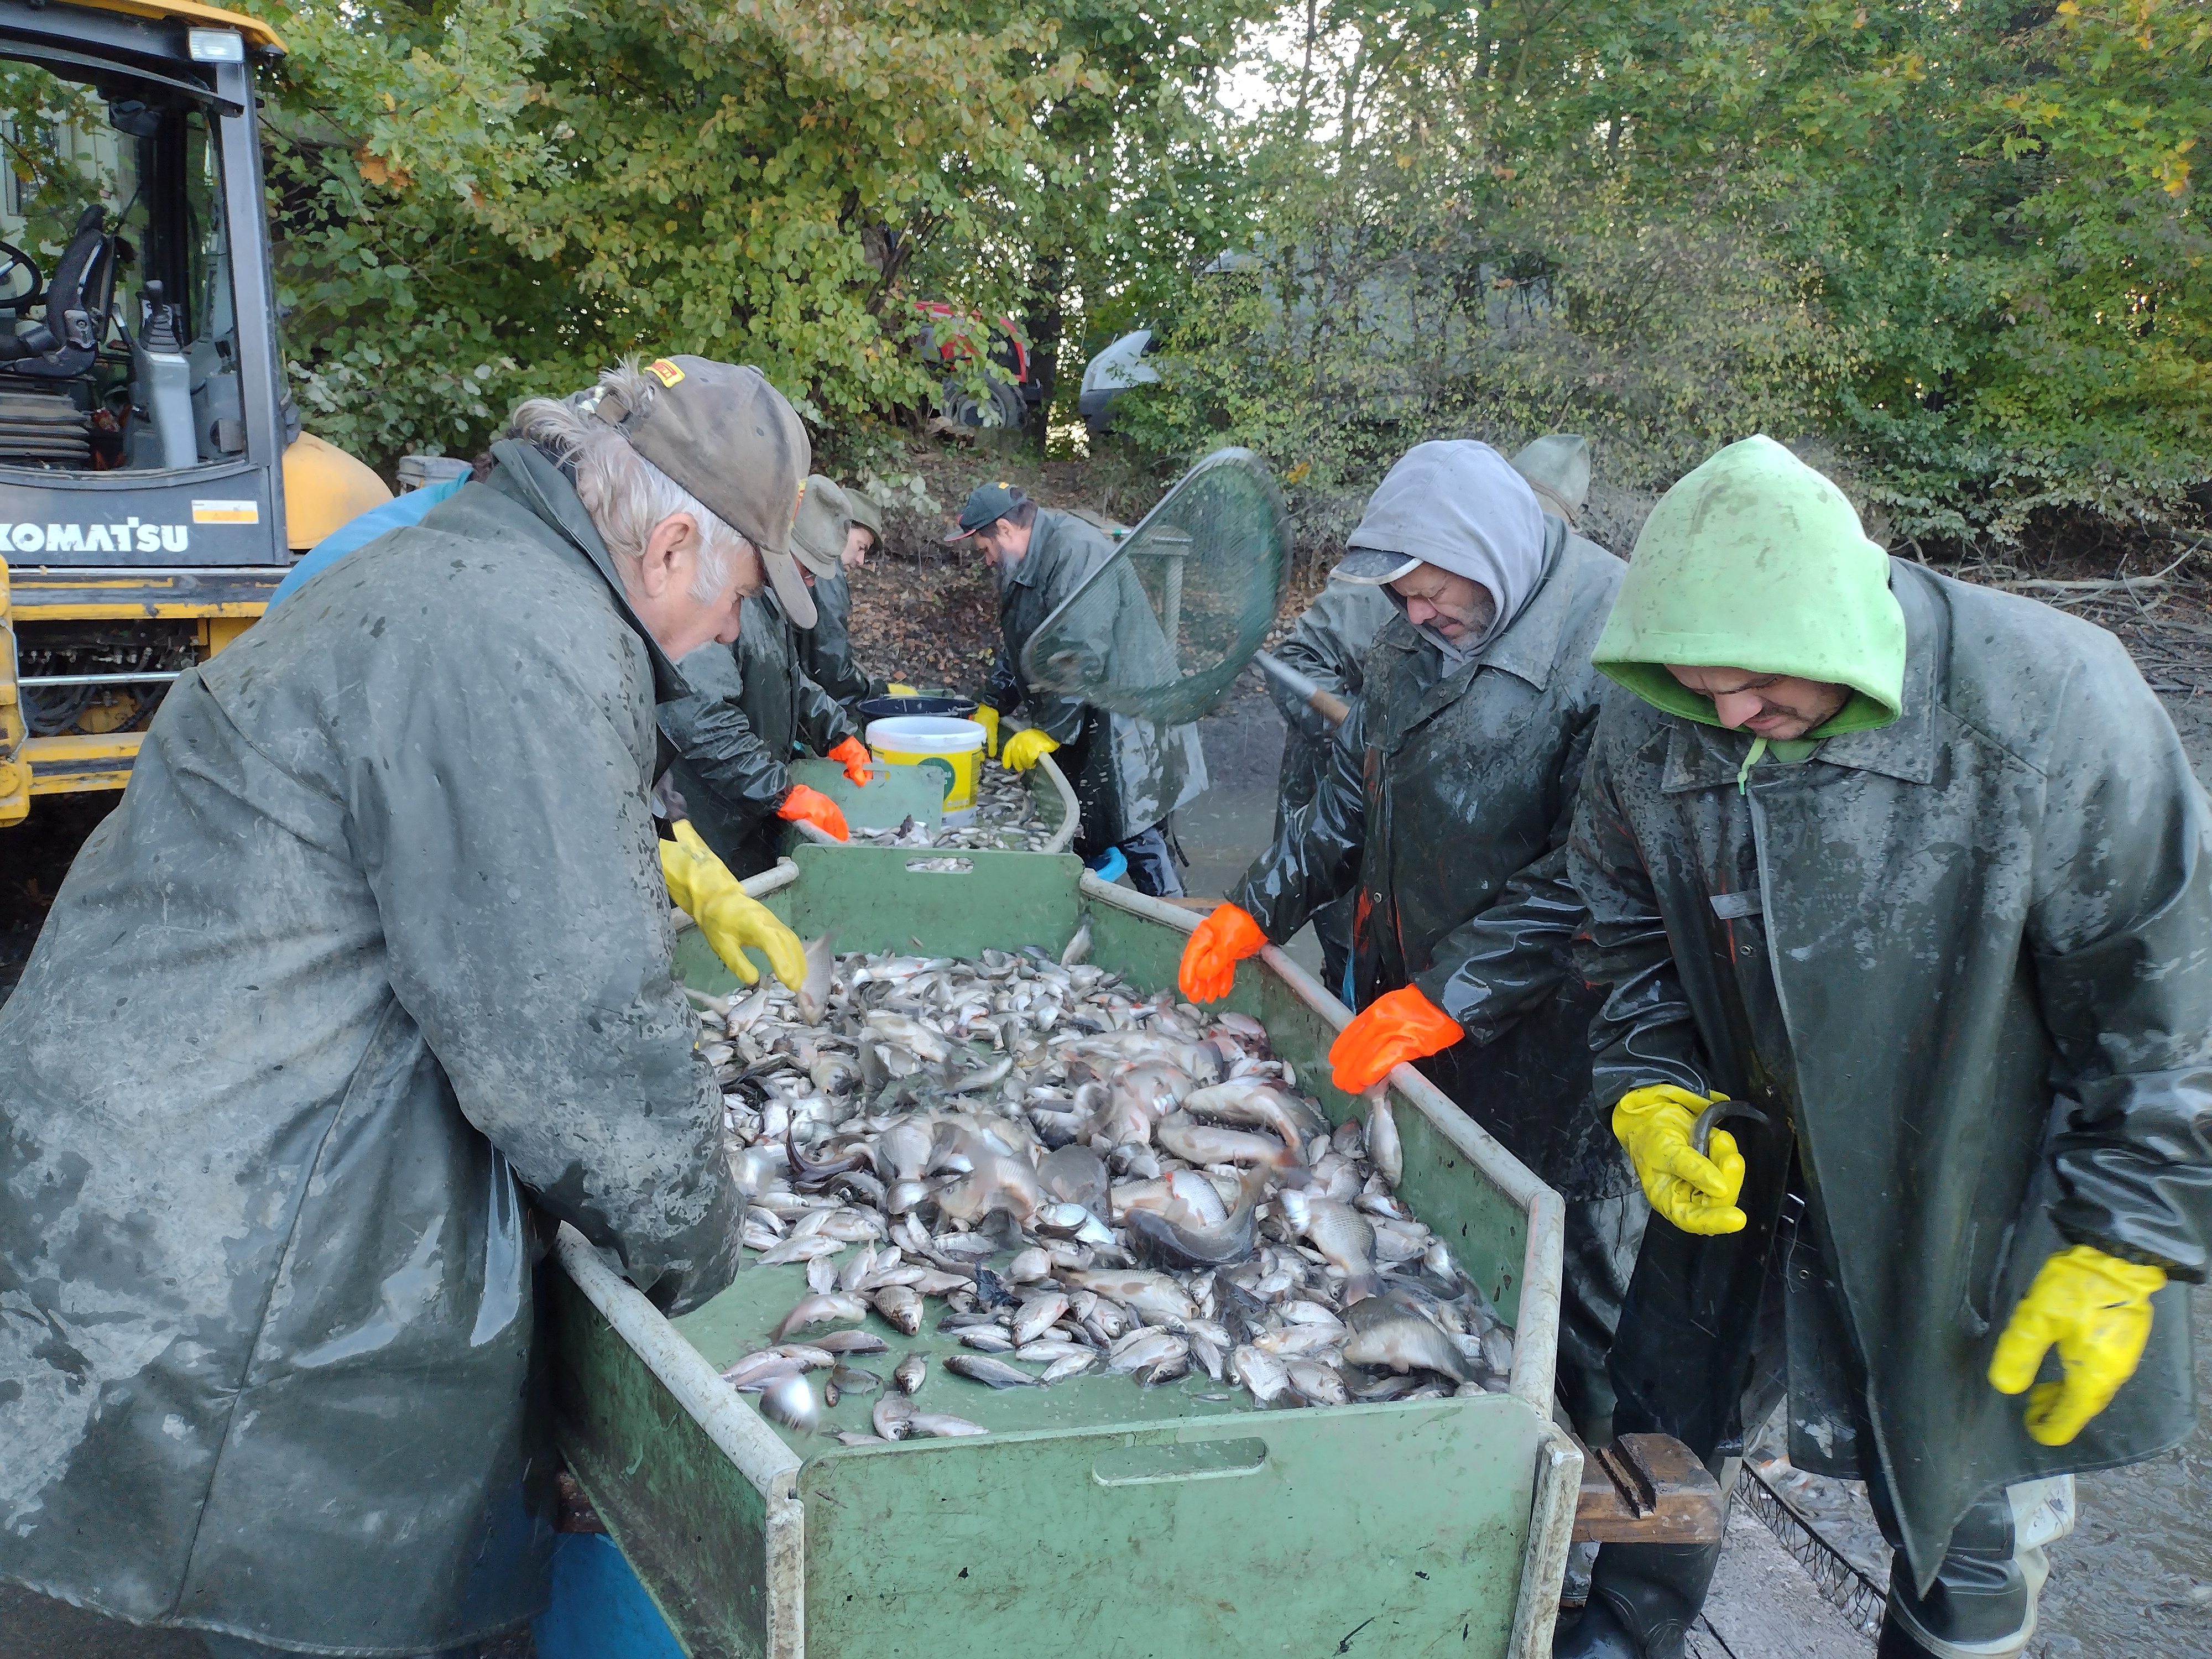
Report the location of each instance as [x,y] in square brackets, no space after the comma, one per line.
[704,890]
[2097,1308]
[1026,748]
[987,718]
[900,689]
[1698,1194]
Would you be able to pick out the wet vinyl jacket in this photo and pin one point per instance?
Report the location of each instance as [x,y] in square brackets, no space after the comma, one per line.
[375,942]
[1446,804]
[1127,774]
[1968,956]
[1329,647]
[825,650]
[749,706]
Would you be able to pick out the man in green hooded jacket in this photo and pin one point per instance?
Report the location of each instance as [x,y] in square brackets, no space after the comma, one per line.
[1918,871]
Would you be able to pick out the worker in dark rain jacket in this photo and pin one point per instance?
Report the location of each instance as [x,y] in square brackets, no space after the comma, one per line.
[1328,645]
[1128,775]
[752,707]
[1445,808]
[1917,873]
[825,650]
[361,991]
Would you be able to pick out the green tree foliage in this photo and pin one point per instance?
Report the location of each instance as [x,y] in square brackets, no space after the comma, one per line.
[1956,245]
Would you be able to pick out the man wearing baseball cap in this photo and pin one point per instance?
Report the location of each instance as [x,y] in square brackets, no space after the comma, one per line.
[1128,775]
[753,705]
[375,949]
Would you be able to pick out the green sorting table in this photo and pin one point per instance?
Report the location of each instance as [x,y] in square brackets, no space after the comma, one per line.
[1096,1518]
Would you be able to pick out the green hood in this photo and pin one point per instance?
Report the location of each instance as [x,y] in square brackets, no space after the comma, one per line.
[1756,562]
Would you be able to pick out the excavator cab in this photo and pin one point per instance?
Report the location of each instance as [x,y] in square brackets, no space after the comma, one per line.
[144,424]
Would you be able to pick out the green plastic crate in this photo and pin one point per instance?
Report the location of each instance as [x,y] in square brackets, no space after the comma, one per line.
[1097,1518]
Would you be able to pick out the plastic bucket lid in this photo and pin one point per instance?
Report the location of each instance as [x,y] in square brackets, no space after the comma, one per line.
[925,734]
[877,709]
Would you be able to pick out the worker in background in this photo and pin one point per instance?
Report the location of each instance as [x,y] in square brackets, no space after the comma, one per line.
[825,651]
[751,707]
[361,990]
[1918,871]
[1328,644]
[1128,775]
[1445,808]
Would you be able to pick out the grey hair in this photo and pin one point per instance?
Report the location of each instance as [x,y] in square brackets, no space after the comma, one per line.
[627,495]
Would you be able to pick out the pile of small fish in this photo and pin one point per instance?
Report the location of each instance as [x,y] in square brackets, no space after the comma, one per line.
[1005,820]
[1084,1179]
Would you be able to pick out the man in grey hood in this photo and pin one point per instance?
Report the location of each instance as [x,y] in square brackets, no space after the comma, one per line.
[1328,646]
[1445,806]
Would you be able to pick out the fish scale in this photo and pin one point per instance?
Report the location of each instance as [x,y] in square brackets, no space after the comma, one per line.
[960,1136]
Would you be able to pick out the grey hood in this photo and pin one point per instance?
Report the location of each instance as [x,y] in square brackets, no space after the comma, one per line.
[1458,505]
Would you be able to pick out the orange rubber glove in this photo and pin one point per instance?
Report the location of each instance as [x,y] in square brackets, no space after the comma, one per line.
[1400,1024]
[853,754]
[804,805]
[1209,960]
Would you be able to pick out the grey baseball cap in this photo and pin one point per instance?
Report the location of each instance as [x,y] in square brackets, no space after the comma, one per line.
[734,441]
[818,537]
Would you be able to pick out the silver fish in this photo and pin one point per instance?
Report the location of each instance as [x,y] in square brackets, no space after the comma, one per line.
[1383,1149]
[1256,1104]
[821,1310]
[1264,1376]
[1038,1315]
[900,1305]
[1341,1234]
[1027,1266]
[938,1425]
[1202,1143]
[1079,944]
[992,1373]
[1156,1296]
[892,1416]
[801,1248]
[1067,1366]
[1383,1331]
[984,1076]
[1320,1384]
[821,973]
[851,1342]
[757,1370]
[1144,1347]
[821,1275]
[911,1373]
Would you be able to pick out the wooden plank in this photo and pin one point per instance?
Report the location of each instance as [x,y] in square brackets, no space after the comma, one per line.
[1647,1489]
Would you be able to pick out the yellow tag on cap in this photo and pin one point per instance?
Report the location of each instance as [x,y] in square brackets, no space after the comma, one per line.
[800,500]
[664,371]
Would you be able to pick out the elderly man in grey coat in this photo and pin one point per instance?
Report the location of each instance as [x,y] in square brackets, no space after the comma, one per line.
[363,989]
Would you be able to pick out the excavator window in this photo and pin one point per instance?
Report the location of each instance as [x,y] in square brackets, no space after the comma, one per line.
[118,343]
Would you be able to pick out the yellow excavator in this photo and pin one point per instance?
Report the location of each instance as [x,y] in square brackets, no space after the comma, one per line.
[155,486]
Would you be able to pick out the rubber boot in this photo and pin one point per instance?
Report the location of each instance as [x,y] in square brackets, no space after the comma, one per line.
[1898,1643]
[1643,1599]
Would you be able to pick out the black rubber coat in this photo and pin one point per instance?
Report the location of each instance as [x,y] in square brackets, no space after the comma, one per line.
[1328,646]
[825,650]
[1446,806]
[1127,774]
[1964,962]
[372,957]
[749,710]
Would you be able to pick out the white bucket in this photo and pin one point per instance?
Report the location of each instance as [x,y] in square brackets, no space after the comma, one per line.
[951,748]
